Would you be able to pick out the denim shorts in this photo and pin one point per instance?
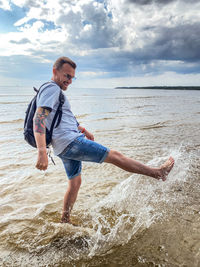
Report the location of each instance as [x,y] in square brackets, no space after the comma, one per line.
[81,149]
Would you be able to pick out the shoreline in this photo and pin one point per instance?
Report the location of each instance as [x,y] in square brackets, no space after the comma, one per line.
[161,87]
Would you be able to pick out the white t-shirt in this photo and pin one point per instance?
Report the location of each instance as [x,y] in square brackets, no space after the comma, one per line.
[67,130]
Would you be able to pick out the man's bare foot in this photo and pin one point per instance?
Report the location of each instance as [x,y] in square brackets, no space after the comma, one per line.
[165,169]
[65,218]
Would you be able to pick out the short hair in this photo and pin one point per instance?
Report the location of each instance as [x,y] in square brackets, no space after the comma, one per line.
[63,60]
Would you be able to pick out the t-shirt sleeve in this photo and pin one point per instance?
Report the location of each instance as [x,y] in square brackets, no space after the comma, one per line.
[48,97]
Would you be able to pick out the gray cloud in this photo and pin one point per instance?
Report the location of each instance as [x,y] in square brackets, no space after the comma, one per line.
[122,64]
[31,3]
[149,2]
[181,42]
[161,2]
[22,41]
[92,28]
[172,49]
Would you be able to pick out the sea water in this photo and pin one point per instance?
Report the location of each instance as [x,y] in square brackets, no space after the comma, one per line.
[123,218]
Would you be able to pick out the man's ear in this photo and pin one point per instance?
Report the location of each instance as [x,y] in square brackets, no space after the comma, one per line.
[54,71]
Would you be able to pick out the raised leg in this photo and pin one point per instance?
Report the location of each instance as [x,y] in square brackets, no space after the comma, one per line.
[131,165]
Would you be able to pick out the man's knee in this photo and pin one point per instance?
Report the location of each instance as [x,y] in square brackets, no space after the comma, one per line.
[113,156]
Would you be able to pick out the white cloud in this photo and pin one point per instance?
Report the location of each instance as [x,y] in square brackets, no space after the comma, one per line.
[109,38]
[38,39]
[4,4]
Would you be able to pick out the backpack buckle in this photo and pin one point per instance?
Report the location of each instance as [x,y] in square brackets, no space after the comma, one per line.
[49,155]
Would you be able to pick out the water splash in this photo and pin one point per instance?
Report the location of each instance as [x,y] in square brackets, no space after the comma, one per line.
[135,204]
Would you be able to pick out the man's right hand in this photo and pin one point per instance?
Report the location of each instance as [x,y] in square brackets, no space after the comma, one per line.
[40,134]
[42,160]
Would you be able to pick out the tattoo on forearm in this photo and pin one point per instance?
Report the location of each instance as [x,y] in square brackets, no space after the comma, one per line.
[39,120]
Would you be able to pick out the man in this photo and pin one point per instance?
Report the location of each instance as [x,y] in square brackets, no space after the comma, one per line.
[72,142]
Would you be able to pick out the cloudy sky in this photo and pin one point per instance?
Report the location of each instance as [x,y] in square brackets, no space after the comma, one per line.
[113,42]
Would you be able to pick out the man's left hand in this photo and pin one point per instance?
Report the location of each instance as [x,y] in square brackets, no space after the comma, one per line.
[89,135]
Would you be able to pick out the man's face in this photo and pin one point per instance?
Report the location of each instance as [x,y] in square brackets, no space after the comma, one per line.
[64,76]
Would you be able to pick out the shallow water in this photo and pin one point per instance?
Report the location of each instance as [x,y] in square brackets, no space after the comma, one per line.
[124,219]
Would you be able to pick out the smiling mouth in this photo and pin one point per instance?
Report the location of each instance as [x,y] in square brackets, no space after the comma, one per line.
[65,83]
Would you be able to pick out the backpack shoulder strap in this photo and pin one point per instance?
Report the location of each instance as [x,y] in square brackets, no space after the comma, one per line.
[58,113]
[37,90]
[61,100]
